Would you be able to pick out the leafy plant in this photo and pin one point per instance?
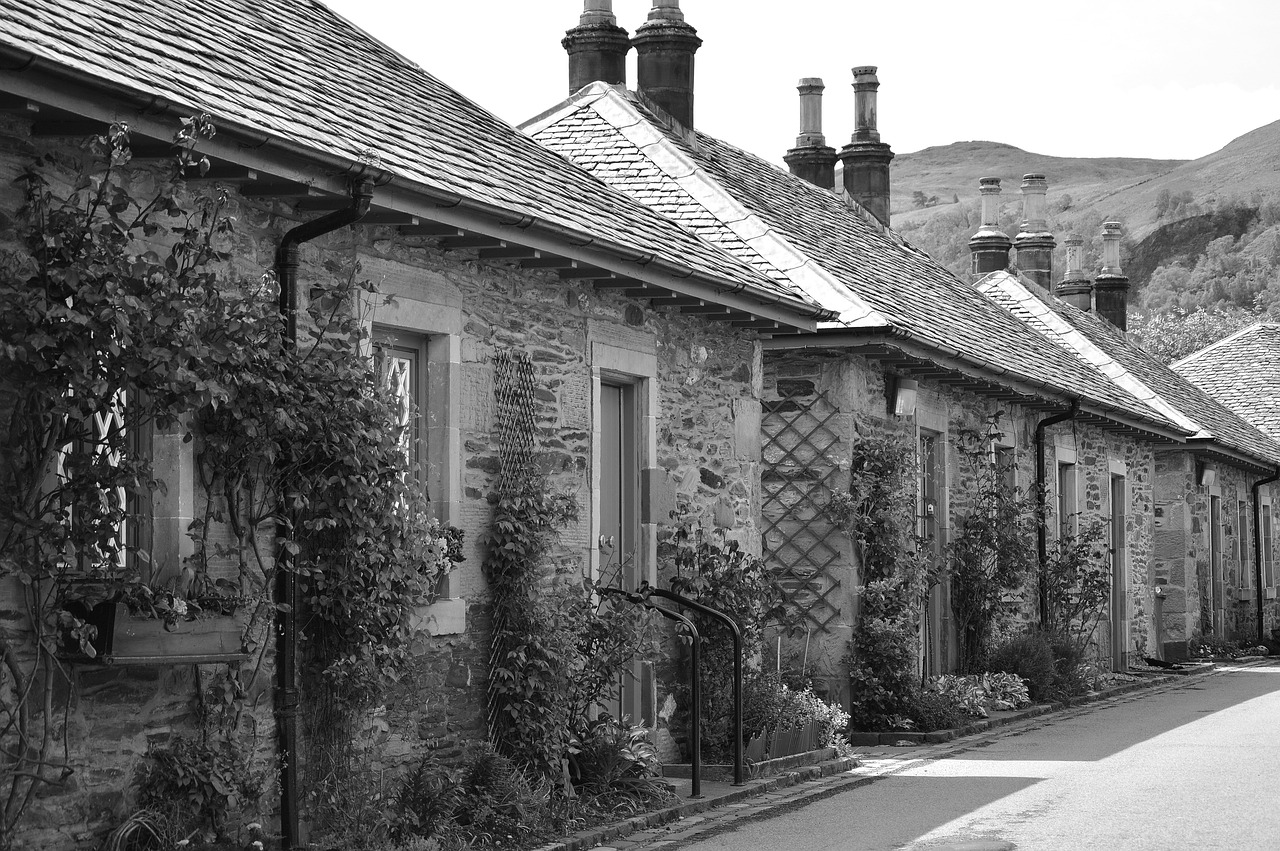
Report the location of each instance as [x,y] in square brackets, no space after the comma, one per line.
[1030,657]
[931,710]
[198,785]
[1076,580]
[105,322]
[712,569]
[617,765]
[989,551]
[878,517]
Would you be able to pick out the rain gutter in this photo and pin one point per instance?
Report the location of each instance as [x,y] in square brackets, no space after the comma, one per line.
[286,580]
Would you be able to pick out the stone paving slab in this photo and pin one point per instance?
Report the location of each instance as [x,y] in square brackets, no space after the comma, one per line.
[723,806]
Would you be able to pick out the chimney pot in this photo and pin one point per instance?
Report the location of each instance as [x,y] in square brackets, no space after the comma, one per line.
[1111,288]
[866,159]
[989,247]
[665,46]
[1034,243]
[865,87]
[811,159]
[597,47]
[1075,288]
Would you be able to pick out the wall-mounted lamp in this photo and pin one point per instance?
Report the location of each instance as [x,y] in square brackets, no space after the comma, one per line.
[903,401]
[1206,475]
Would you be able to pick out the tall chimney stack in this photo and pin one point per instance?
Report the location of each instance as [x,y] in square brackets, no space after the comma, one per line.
[812,159]
[1111,287]
[1075,288]
[665,45]
[1035,244]
[866,158]
[989,247]
[597,47]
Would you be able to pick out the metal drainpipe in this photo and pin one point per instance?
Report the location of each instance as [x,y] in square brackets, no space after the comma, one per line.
[1042,534]
[286,585]
[1257,545]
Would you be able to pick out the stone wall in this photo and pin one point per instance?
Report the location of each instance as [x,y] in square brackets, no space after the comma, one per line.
[855,387]
[700,429]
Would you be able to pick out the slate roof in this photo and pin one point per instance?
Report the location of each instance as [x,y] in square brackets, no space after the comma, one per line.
[787,227]
[1242,371]
[1098,342]
[293,69]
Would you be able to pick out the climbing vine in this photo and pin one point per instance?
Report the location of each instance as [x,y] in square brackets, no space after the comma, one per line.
[116,316]
[877,516]
[990,552]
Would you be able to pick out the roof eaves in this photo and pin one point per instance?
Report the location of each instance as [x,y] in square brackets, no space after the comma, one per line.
[967,364]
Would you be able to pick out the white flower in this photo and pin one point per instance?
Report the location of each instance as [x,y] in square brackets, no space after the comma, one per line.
[179,608]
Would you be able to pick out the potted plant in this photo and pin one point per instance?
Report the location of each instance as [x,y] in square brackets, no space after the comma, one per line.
[133,621]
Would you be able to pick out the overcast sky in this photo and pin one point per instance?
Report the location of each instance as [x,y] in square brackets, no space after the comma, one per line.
[1135,78]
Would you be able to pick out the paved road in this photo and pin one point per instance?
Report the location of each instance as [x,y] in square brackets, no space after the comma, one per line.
[1191,766]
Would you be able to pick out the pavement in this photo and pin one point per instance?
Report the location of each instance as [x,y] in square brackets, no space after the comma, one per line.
[723,806]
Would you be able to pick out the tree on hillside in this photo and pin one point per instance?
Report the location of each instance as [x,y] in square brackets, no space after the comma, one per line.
[1176,334]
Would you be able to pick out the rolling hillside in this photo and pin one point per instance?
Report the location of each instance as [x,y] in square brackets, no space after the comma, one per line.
[1171,209]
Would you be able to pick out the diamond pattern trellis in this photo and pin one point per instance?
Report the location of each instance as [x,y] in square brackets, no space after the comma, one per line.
[802,449]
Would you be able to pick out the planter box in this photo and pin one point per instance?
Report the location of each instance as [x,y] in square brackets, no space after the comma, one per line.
[124,639]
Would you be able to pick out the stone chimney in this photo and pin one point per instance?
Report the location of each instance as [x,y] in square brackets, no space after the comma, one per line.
[811,158]
[989,247]
[866,158]
[665,45]
[1111,287]
[1075,288]
[1035,244]
[597,47]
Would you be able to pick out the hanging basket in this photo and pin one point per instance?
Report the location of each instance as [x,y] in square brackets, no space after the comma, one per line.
[127,639]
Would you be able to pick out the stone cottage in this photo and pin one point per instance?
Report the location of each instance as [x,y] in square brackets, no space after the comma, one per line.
[1187,560]
[645,340]
[912,346]
[1242,372]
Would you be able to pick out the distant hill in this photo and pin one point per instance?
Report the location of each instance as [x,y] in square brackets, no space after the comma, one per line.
[1175,212]
[949,171]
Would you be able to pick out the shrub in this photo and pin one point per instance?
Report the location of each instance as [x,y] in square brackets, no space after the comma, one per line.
[192,785]
[1005,691]
[1030,657]
[879,520]
[966,692]
[618,766]
[931,710]
[717,572]
[426,802]
[771,704]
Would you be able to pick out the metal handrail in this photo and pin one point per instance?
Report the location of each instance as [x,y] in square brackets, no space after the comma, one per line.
[647,590]
[695,687]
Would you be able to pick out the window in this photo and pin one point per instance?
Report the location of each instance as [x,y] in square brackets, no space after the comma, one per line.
[1006,464]
[400,358]
[1067,506]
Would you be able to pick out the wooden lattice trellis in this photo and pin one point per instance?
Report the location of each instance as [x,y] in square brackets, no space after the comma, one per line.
[801,449]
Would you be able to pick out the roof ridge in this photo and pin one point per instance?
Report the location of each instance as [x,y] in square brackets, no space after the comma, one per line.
[620,112]
[1230,338]
[1086,349]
